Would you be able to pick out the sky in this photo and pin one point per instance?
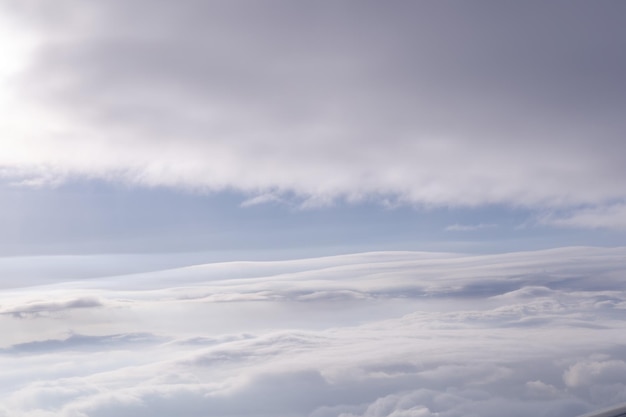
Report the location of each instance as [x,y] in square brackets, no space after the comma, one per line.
[402,209]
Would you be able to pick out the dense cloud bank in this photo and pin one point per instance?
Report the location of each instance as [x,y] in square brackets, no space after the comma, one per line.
[427,103]
[395,334]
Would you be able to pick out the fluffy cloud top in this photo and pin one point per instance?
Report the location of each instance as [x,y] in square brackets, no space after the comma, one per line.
[434,104]
[368,335]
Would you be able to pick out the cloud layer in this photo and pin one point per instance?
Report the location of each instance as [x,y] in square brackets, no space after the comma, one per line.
[433,104]
[367,335]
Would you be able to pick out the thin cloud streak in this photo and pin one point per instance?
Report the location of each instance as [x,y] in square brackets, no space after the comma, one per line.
[469,227]
[610,216]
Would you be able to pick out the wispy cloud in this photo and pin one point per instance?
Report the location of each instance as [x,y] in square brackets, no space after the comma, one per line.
[262,199]
[469,227]
[611,216]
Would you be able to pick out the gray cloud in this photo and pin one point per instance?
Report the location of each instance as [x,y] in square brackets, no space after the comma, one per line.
[422,103]
[36,308]
[77,341]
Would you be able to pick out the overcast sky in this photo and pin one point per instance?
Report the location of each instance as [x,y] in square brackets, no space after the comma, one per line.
[140,136]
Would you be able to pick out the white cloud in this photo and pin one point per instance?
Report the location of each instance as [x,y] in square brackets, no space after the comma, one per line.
[261,199]
[378,334]
[588,373]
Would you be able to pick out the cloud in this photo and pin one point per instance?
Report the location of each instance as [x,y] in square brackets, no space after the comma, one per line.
[448,107]
[611,216]
[34,308]
[594,373]
[77,341]
[362,335]
[261,199]
[469,227]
